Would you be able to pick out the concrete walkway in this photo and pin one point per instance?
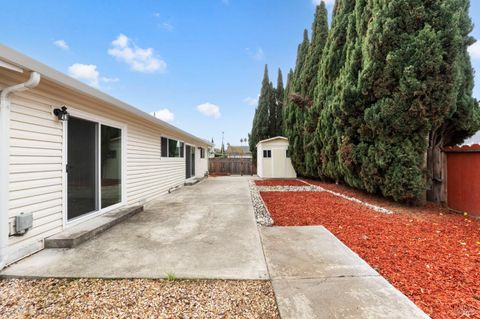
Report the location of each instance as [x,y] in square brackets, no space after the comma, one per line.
[315,275]
[204,231]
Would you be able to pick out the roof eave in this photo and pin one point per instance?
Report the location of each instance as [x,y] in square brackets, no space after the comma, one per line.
[24,62]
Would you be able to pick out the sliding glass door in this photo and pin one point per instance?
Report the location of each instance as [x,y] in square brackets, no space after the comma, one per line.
[94,169]
[111,161]
[82,167]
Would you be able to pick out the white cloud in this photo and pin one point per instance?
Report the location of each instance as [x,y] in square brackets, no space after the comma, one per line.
[209,109]
[257,55]
[251,101]
[327,2]
[89,74]
[109,80]
[164,114]
[61,44]
[475,50]
[140,60]
[85,72]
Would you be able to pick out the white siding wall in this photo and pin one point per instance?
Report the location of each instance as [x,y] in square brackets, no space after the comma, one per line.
[36,158]
[260,160]
[201,164]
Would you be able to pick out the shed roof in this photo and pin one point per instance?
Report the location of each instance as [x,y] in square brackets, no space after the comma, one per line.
[273,139]
[24,62]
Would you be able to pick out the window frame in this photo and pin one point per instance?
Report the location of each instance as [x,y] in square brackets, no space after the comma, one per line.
[181,149]
[267,153]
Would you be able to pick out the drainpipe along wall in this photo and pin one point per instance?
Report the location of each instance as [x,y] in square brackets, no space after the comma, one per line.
[5,94]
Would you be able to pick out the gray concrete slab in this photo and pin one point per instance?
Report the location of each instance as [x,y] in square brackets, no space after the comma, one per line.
[188,233]
[316,276]
[78,234]
[343,297]
[309,252]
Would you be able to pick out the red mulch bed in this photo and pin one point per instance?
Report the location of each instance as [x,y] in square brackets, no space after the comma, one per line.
[280,182]
[377,199]
[431,256]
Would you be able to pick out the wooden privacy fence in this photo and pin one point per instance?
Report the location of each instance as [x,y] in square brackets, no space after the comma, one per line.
[231,166]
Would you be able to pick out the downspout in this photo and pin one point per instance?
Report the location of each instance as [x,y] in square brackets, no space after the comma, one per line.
[5,94]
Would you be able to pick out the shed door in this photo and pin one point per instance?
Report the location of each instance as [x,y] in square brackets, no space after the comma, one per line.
[278,163]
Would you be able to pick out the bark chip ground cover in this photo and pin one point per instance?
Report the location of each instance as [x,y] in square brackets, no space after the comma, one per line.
[430,255]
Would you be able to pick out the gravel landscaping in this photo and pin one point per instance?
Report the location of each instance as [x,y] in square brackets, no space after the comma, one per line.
[429,254]
[279,182]
[138,298]
[261,214]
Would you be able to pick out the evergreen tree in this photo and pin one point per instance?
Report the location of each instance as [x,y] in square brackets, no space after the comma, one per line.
[333,59]
[287,120]
[309,83]
[261,128]
[373,103]
[279,100]
[414,70]
[295,108]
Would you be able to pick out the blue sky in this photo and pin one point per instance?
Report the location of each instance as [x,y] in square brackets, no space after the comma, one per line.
[198,64]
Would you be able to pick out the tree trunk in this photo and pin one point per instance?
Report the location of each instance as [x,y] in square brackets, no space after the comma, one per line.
[436,169]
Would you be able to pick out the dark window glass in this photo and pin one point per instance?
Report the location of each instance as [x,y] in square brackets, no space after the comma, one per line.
[164,147]
[111,164]
[288,154]
[267,153]
[173,148]
[82,167]
[202,152]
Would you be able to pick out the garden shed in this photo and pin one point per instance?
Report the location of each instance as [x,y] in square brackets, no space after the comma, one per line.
[273,159]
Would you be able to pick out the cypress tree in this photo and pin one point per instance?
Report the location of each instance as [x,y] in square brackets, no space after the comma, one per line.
[261,121]
[309,83]
[279,100]
[393,85]
[287,120]
[328,87]
[414,69]
[295,109]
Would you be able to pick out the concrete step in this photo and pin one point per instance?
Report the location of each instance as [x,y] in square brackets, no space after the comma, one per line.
[193,181]
[74,236]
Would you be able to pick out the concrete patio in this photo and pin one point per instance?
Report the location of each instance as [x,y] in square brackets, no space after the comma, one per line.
[204,231]
[209,231]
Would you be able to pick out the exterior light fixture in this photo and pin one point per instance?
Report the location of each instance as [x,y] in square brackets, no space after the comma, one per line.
[61,113]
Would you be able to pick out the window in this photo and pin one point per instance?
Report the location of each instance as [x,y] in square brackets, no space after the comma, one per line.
[171,148]
[267,153]
[164,147]
[287,154]
[202,152]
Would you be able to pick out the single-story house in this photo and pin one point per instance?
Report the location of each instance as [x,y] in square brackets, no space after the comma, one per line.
[69,152]
[273,160]
[238,151]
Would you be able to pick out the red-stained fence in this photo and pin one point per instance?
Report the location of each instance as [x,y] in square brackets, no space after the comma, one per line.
[463,179]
